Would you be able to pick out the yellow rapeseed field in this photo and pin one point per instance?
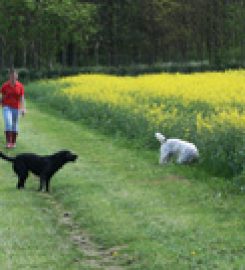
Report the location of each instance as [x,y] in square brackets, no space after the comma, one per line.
[148,94]
[211,87]
[205,108]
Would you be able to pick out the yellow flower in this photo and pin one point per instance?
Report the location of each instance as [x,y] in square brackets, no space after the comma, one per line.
[218,97]
[193,253]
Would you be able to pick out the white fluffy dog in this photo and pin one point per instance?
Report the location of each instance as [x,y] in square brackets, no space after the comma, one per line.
[185,152]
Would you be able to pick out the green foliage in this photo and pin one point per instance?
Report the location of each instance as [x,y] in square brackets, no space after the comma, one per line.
[45,33]
[37,31]
[27,75]
[228,142]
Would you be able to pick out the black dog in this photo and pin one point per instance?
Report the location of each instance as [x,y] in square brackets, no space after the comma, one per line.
[43,166]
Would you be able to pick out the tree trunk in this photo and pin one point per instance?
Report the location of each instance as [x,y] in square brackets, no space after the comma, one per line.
[2,44]
[74,56]
[24,56]
[64,56]
[96,52]
[11,60]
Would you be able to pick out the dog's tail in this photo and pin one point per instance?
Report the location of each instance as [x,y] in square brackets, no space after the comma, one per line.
[160,137]
[3,156]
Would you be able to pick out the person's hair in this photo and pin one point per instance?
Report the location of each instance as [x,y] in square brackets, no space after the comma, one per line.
[12,70]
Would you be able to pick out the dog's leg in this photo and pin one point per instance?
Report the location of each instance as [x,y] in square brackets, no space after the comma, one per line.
[164,158]
[184,157]
[165,154]
[180,160]
[40,186]
[20,184]
[42,183]
[22,174]
[47,184]
[21,180]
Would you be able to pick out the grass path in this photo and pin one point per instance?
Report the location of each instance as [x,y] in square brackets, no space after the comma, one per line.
[116,208]
[30,235]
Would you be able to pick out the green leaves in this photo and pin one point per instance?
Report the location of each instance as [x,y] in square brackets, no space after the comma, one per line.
[44,28]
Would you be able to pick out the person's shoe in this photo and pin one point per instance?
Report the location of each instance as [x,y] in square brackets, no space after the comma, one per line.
[14,137]
[9,145]
[8,135]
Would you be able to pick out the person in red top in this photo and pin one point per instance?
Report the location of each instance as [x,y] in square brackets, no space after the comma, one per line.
[13,103]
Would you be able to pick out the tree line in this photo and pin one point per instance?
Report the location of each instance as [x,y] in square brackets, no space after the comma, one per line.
[50,33]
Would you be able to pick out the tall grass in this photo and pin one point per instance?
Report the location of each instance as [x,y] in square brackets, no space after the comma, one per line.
[206,108]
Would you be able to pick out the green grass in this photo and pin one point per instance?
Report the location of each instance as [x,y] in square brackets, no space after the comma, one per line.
[171,217]
[31,236]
